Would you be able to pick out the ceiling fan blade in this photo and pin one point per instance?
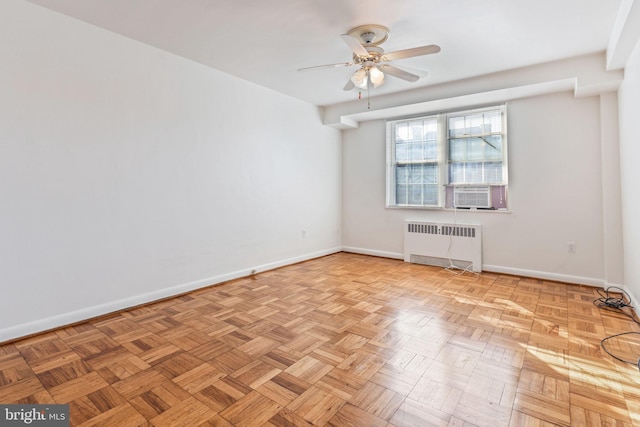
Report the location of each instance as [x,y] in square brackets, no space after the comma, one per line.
[413,76]
[319,67]
[355,45]
[349,85]
[409,53]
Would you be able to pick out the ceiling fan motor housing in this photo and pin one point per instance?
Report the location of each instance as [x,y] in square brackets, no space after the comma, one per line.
[370,34]
[368,37]
[375,55]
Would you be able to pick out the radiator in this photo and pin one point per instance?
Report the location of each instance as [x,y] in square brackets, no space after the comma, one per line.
[440,244]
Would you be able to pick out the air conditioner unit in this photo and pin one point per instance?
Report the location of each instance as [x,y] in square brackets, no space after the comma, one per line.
[472,196]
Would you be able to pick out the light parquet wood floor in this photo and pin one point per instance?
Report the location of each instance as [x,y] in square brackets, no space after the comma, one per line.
[344,340]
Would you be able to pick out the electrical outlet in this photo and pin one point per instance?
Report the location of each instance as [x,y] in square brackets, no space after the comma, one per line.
[571,247]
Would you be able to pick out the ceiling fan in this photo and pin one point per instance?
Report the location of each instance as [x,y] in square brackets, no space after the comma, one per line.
[365,42]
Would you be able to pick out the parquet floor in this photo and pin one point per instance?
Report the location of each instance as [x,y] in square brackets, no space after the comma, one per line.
[344,340]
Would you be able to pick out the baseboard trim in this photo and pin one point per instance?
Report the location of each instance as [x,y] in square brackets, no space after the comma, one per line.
[53,322]
[545,275]
[372,252]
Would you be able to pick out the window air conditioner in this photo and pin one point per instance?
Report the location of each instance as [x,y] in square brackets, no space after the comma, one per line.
[472,196]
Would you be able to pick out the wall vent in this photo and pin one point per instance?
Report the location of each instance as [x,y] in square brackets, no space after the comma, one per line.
[441,262]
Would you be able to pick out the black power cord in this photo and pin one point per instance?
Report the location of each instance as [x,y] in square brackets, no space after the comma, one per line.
[630,362]
[616,301]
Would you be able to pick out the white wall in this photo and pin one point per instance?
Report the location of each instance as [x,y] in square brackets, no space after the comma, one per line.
[555,193]
[629,110]
[128,174]
[611,192]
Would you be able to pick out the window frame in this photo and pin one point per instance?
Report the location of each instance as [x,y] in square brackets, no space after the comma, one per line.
[444,160]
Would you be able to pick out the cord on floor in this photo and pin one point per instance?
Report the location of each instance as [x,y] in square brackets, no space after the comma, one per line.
[616,299]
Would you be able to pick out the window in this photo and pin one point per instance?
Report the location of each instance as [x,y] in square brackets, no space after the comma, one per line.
[417,158]
[435,160]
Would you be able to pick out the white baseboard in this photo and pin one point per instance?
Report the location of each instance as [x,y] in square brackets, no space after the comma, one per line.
[60,320]
[545,275]
[372,252]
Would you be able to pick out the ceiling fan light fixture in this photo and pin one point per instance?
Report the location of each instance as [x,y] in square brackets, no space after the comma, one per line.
[359,78]
[376,76]
[364,75]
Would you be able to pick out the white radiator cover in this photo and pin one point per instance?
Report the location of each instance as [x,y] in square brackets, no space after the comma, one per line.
[443,244]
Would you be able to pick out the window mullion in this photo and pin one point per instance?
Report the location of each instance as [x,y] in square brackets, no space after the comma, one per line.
[443,166]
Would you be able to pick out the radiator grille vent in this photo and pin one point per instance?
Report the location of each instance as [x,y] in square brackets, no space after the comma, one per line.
[445,230]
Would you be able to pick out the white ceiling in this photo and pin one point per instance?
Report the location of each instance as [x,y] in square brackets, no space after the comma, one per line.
[266,41]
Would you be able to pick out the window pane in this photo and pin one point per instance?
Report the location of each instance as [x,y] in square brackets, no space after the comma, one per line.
[473,172]
[456,126]
[402,152]
[493,148]
[431,151]
[430,194]
[430,174]
[415,194]
[473,124]
[401,194]
[417,131]
[402,132]
[456,149]
[493,172]
[431,129]
[456,173]
[416,152]
[402,172]
[494,120]
[475,148]
[416,174]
